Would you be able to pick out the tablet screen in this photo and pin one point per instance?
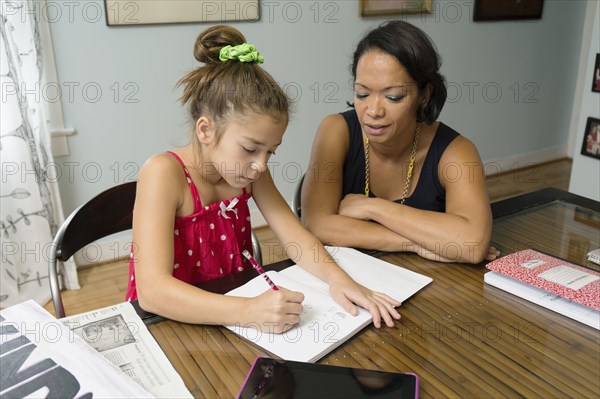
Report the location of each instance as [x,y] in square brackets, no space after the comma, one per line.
[270,378]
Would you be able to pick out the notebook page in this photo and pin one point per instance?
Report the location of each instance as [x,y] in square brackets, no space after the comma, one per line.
[373,273]
[324,324]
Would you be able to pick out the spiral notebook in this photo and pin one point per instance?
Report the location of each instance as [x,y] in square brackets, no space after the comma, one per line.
[568,280]
[558,285]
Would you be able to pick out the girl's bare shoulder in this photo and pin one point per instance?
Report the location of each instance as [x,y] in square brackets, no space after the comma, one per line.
[161,173]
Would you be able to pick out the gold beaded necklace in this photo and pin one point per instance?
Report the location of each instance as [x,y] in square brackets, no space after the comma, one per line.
[411,165]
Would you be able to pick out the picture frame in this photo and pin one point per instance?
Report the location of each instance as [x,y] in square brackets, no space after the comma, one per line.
[591,138]
[502,10]
[152,12]
[596,75]
[370,8]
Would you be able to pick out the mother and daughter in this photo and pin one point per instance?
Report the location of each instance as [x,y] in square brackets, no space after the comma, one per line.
[191,220]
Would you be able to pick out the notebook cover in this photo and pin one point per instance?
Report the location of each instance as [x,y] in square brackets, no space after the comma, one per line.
[554,275]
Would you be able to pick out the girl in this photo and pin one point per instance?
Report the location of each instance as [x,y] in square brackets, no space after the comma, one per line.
[191,217]
[389,169]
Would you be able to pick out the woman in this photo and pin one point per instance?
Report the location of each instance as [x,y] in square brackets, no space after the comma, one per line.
[386,175]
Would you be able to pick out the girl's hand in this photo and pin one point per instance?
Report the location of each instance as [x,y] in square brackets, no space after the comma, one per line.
[275,311]
[348,293]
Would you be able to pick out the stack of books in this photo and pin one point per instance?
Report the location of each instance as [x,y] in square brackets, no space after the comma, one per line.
[569,289]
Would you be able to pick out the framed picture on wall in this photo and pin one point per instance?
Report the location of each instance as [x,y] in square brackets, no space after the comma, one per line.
[596,77]
[591,139]
[145,12]
[498,10]
[389,7]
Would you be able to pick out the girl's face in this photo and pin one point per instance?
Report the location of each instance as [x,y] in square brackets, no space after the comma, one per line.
[245,146]
[386,97]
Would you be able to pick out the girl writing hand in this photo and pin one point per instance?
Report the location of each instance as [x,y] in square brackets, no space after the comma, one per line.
[191,220]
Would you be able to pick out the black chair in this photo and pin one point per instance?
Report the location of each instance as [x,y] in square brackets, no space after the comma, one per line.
[297,199]
[109,212]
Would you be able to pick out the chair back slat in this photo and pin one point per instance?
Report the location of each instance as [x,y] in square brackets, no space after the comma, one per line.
[109,212]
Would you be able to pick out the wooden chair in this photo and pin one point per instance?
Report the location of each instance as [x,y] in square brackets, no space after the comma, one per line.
[109,212]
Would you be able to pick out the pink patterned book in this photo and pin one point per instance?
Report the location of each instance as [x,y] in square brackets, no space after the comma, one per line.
[568,280]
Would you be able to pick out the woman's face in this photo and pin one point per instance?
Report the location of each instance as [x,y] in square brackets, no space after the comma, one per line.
[386,97]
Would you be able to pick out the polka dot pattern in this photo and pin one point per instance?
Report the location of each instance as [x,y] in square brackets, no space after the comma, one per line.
[207,244]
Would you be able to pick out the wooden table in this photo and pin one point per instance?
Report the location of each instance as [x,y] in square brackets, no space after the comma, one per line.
[462,337]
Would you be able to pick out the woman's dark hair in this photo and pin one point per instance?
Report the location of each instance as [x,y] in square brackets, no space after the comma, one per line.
[417,53]
[220,89]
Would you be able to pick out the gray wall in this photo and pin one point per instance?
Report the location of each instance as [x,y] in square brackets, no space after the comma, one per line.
[511,84]
[585,174]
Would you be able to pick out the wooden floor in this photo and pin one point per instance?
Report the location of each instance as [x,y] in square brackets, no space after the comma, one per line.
[105,284]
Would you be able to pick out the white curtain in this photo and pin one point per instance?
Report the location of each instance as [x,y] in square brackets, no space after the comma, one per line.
[30,207]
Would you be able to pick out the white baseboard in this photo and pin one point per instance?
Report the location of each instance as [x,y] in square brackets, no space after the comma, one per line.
[118,245]
[525,160]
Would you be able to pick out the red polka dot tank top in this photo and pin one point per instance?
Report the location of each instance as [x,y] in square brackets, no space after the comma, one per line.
[208,243]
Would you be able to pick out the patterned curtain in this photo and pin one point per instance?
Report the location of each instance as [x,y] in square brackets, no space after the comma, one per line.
[30,207]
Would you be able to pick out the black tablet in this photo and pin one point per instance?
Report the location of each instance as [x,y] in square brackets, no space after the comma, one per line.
[271,378]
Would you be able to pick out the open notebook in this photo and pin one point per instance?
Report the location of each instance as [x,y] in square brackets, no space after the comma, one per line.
[324,324]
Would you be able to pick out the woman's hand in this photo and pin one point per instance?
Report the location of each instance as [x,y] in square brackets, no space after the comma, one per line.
[354,206]
[349,293]
[492,253]
[275,311]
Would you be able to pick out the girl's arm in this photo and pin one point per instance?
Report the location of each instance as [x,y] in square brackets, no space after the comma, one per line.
[462,233]
[306,250]
[160,193]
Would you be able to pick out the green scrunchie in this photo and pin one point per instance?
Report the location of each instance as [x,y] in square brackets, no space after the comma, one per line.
[245,52]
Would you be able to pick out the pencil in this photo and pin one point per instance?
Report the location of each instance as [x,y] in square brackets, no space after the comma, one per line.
[259,269]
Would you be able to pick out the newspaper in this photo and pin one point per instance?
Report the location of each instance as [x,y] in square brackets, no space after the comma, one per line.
[40,357]
[118,333]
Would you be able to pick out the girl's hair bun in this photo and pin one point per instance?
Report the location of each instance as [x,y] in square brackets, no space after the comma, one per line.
[210,42]
[219,89]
